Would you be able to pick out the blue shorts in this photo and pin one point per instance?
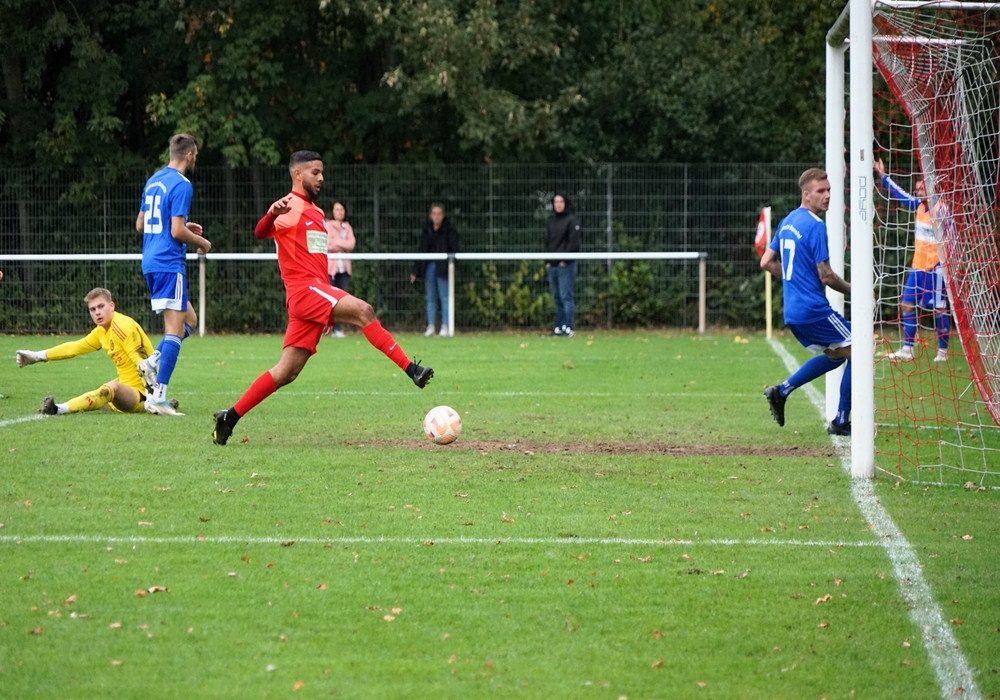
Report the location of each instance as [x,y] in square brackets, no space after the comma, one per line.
[167,290]
[925,288]
[829,334]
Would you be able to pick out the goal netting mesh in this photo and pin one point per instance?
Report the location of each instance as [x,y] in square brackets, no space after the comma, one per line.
[936,115]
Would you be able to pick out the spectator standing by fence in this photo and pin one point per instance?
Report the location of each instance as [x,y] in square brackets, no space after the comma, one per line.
[562,235]
[438,236]
[339,239]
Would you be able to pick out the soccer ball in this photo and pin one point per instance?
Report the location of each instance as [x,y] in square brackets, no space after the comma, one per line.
[442,425]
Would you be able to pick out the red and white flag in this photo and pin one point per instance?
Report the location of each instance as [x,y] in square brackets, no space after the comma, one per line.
[763,237]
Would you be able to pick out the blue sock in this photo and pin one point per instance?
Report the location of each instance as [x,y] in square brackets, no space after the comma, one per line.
[187,330]
[170,348]
[813,368]
[844,408]
[943,323]
[909,328]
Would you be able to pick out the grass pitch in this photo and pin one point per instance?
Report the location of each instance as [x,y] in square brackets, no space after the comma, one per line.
[620,518]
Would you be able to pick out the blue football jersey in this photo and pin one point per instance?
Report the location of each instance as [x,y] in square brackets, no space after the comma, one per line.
[167,194]
[801,242]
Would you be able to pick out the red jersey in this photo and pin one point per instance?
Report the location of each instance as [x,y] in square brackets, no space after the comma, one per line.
[300,237]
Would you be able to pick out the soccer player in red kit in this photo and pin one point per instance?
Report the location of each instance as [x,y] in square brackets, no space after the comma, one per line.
[298,228]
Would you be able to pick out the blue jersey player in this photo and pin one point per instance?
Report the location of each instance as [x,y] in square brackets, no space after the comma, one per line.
[163,214]
[799,256]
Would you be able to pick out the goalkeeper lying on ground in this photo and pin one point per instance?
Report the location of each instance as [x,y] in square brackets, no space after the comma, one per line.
[126,344]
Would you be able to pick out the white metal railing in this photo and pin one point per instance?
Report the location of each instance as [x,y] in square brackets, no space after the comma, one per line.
[203,259]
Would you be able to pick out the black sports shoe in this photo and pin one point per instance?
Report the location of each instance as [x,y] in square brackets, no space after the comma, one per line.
[776,402]
[222,429]
[839,428]
[174,403]
[48,406]
[420,375]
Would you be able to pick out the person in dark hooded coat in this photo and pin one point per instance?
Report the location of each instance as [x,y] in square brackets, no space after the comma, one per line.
[562,235]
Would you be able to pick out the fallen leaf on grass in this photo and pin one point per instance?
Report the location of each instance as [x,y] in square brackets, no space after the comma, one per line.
[203,519]
[117,662]
[701,684]
[69,601]
[657,634]
[956,621]
[823,625]
[657,664]
[289,543]
[824,599]
[298,685]
[388,618]
[158,589]
[966,537]
[321,587]
[906,643]
[719,572]
[743,574]
[38,630]
[115,625]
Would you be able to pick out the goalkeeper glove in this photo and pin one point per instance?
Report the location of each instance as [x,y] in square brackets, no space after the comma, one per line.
[30,357]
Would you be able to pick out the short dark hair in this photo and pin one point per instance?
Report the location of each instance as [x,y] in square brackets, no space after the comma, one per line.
[181,145]
[300,157]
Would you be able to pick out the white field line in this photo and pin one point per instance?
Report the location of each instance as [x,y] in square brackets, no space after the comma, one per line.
[24,419]
[415,541]
[954,674]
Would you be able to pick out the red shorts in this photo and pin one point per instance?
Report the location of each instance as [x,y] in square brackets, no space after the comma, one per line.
[309,313]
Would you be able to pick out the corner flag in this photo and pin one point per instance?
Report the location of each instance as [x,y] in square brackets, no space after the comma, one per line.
[763,237]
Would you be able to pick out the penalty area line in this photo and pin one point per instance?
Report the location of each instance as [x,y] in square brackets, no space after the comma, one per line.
[953,672]
[424,541]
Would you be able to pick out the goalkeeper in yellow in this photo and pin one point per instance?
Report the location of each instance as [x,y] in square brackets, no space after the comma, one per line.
[125,343]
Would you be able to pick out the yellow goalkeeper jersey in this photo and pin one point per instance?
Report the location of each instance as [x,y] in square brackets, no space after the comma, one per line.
[125,342]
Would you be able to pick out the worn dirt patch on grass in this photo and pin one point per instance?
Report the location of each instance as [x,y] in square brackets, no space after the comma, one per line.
[608,448]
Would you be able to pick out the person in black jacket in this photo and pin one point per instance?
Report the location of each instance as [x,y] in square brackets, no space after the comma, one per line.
[438,236]
[562,235]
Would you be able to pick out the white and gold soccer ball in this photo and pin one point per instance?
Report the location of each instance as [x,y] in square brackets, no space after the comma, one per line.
[442,425]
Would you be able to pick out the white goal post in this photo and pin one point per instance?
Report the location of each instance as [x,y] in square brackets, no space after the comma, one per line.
[854,29]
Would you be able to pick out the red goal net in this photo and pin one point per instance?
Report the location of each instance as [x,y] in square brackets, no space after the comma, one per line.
[937,128]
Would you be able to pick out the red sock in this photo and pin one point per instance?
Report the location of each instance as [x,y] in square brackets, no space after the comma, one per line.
[262,387]
[383,340]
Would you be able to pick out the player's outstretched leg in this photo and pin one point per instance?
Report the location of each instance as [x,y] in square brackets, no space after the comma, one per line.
[350,309]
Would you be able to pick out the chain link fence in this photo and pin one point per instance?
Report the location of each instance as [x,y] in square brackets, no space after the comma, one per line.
[502,208]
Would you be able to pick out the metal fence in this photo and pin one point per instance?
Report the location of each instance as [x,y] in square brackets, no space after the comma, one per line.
[497,208]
